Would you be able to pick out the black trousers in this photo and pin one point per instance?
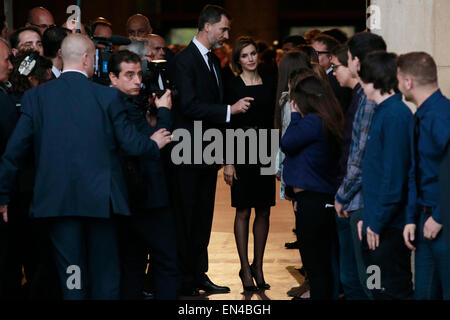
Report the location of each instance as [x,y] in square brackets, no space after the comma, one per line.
[195,191]
[393,259]
[24,242]
[139,234]
[316,232]
[85,251]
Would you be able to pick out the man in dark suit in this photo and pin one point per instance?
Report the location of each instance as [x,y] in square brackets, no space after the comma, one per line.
[151,226]
[196,74]
[75,128]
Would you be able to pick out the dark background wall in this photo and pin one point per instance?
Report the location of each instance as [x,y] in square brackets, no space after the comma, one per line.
[264,19]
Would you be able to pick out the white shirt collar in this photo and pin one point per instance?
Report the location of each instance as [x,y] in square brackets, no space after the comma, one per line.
[56,72]
[72,70]
[329,70]
[203,50]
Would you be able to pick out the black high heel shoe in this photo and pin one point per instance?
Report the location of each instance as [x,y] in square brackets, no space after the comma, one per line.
[246,288]
[262,284]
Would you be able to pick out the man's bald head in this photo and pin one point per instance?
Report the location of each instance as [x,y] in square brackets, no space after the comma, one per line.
[40,18]
[78,52]
[155,47]
[138,26]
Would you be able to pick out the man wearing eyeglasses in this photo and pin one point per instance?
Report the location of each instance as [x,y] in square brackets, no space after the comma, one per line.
[40,18]
[324,44]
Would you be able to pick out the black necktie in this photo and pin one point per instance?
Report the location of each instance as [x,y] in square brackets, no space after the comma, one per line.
[211,67]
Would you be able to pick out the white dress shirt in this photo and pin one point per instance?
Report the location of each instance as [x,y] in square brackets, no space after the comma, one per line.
[56,71]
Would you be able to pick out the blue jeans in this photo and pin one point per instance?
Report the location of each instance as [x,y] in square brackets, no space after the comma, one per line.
[348,274]
[432,265]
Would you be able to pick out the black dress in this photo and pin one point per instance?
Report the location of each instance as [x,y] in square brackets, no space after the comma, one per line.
[252,189]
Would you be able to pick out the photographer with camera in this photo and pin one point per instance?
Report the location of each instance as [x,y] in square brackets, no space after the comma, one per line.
[151,227]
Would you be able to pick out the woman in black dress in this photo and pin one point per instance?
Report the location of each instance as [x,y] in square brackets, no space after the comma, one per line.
[249,188]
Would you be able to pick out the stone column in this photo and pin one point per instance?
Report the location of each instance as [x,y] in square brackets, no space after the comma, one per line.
[418,25]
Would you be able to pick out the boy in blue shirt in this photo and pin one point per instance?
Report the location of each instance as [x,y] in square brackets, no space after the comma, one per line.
[385,167]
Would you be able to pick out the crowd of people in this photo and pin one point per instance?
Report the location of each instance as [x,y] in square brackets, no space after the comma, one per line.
[93,207]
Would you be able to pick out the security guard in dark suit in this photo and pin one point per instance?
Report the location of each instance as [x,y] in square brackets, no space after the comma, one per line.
[76,128]
[151,226]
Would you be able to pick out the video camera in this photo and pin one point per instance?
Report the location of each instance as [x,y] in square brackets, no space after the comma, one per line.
[156,81]
[103,51]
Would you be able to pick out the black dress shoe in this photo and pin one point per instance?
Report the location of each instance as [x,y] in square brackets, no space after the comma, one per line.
[209,287]
[292,245]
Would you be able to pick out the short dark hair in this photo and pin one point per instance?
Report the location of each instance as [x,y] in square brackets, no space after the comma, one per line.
[121,56]
[211,14]
[365,42]
[296,40]
[341,53]
[239,45]
[52,39]
[329,41]
[420,65]
[14,38]
[380,68]
[337,34]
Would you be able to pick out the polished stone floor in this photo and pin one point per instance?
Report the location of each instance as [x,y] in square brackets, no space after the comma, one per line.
[279,263]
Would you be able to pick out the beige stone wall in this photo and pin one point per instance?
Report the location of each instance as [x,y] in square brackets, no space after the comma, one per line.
[418,25]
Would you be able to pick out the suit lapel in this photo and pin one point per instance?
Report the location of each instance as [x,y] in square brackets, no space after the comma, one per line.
[201,61]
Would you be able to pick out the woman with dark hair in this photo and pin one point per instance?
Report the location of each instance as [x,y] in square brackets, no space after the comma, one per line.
[310,52]
[249,188]
[30,70]
[311,144]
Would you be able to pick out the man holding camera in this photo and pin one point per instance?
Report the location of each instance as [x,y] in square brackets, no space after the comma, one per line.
[151,225]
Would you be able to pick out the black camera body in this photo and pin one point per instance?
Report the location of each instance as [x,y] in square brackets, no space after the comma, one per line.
[102,56]
[103,51]
[156,81]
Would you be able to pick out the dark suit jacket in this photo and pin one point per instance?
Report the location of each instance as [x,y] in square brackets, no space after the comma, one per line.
[444,182]
[198,97]
[145,176]
[76,128]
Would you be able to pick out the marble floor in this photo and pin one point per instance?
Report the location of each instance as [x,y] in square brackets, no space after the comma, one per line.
[279,263]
